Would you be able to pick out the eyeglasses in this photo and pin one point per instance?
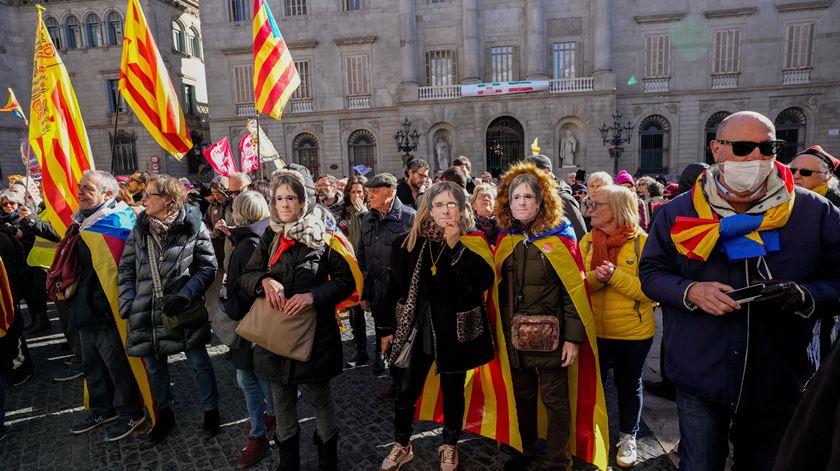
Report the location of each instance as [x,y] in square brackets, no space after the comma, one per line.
[580,192]
[440,205]
[805,172]
[745,148]
[290,199]
[590,205]
[147,194]
[8,203]
[234,192]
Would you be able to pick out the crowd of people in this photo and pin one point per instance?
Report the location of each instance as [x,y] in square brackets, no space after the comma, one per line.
[433,261]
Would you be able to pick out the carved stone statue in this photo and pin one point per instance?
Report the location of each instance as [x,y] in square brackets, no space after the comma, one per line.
[568,147]
[442,153]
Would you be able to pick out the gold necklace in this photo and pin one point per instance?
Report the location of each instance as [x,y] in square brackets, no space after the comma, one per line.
[435,260]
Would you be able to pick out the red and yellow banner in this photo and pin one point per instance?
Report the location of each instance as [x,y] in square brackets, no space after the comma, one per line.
[146,87]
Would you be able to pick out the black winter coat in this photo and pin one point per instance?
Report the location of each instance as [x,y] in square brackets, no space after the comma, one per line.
[300,269]
[188,253]
[453,295]
[11,251]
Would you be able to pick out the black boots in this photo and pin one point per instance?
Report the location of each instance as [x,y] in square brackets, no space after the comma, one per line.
[289,452]
[163,425]
[210,428]
[327,451]
[40,323]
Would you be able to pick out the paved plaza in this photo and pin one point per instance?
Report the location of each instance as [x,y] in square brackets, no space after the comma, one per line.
[40,413]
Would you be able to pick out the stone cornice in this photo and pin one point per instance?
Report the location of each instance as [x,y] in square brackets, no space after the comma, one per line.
[233,51]
[355,41]
[729,12]
[302,44]
[800,6]
[659,18]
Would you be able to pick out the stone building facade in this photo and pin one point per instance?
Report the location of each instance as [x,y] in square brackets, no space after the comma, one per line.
[88,35]
[673,69]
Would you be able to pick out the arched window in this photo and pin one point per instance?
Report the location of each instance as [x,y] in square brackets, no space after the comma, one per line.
[505,143]
[654,143]
[115,29]
[362,149]
[54,30]
[305,147]
[195,43]
[178,40]
[790,127]
[73,32]
[711,130]
[93,30]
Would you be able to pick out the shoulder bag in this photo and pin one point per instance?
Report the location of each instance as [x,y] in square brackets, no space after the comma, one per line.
[406,332]
[531,332]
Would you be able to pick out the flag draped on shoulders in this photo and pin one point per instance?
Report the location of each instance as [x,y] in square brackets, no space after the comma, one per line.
[589,438]
[7,302]
[275,75]
[57,133]
[490,407]
[146,87]
[105,233]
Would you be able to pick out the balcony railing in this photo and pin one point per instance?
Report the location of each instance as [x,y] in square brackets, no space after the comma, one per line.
[439,92]
[724,81]
[571,85]
[202,108]
[301,105]
[656,85]
[796,77]
[358,102]
[246,109]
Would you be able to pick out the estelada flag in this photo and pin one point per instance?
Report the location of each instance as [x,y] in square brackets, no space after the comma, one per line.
[220,157]
[146,87]
[249,162]
[7,302]
[57,132]
[14,106]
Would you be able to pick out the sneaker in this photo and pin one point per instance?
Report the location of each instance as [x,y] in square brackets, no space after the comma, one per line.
[67,375]
[16,378]
[398,456]
[122,429]
[256,450]
[91,422]
[448,457]
[626,455]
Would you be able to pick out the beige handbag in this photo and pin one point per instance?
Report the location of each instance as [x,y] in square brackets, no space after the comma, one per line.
[287,336]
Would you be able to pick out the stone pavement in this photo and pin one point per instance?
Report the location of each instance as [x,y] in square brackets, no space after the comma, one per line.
[40,413]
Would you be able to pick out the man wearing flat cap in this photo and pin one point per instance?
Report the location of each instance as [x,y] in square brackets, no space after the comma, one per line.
[571,207]
[387,219]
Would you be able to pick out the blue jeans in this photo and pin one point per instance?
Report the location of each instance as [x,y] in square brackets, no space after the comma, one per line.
[707,427]
[626,358]
[202,371]
[258,399]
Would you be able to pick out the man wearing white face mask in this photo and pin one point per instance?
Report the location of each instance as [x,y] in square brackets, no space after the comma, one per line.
[739,369]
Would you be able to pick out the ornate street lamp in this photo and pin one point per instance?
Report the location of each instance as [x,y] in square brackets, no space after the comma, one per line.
[615,136]
[406,141]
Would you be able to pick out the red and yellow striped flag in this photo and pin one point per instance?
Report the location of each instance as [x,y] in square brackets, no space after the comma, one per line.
[57,133]
[146,87]
[275,75]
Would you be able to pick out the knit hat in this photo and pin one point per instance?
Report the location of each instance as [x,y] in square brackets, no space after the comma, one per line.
[671,190]
[624,177]
[578,187]
[580,175]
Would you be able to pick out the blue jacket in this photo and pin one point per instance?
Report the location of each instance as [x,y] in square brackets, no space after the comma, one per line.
[753,359]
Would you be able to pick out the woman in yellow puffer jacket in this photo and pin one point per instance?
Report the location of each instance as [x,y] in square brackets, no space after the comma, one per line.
[623,314]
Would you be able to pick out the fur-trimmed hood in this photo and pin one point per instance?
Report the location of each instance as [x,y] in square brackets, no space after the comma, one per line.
[550,214]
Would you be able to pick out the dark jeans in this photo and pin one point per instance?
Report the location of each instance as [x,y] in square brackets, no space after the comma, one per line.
[202,371]
[411,382]
[706,428]
[357,323]
[36,291]
[110,381]
[552,385]
[71,333]
[626,358]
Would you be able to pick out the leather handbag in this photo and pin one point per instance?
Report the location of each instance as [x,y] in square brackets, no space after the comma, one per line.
[406,332]
[287,336]
[194,314]
[531,332]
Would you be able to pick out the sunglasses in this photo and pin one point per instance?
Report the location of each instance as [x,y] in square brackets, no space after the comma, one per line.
[745,148]
[805,172]
[234,192]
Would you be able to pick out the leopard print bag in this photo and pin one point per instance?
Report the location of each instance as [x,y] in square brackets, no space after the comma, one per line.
[406,331]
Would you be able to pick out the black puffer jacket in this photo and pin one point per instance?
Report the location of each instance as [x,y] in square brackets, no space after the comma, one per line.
[188,252]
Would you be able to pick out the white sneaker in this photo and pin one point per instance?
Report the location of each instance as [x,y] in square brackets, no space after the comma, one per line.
[626,455]
[398,456]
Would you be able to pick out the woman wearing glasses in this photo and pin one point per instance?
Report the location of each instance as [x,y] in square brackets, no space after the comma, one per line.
[483,201]
[440,278]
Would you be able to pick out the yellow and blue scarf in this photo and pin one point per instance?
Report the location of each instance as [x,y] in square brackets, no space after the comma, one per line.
[742,236]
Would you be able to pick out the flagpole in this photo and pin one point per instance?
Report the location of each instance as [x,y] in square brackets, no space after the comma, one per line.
[116,124]
[259,157]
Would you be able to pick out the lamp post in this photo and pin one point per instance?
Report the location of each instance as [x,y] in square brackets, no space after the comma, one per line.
[406,141]
[615,136]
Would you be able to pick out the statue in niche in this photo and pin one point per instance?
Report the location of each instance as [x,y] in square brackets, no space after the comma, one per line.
[568,147]
[442,153]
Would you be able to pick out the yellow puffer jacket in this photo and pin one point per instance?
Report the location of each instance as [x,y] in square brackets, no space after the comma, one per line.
[620,308]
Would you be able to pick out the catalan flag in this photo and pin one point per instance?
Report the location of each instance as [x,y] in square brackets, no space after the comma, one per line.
[13,106]
[146,87]
[57,133]
[7,302]
[275,75]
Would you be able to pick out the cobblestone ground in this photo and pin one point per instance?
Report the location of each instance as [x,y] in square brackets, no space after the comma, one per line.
[40,413]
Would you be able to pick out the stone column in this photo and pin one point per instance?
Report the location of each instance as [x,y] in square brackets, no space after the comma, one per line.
[601,24]
[408,41]
[535,40]
[470,63]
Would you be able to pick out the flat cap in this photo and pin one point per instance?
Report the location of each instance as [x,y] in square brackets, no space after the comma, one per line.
[542,162]
[382,180]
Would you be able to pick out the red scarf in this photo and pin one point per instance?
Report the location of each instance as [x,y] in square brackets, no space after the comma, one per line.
[607,247]
[281,247]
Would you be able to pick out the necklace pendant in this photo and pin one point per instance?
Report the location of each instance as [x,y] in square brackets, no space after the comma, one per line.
[434,270]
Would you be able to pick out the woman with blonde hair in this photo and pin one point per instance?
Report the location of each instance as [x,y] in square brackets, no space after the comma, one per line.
[440,276]
[623,314]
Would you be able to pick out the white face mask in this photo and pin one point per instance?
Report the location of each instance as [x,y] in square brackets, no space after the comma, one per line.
[746,176]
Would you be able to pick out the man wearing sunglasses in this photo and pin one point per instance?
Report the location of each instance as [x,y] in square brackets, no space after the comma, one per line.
[739,369]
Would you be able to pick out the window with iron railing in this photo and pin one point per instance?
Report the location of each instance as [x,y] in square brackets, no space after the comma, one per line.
[303,91]
[658,56]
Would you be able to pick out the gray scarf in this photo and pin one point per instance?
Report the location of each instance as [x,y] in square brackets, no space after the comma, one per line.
[309,229]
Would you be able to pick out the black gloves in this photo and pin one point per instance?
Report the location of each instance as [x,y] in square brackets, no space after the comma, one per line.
[787,296]
[172,304]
